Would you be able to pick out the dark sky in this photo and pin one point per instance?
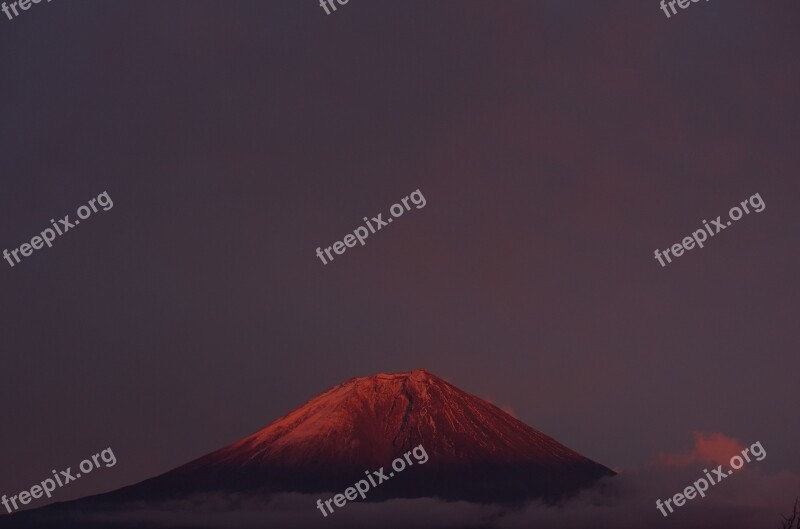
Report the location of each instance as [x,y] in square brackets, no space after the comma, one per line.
[557,144]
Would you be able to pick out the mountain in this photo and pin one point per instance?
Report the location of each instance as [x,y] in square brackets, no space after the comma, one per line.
[475,451]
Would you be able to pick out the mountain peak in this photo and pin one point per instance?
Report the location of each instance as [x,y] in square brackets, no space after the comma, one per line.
[366,422]
[416,374]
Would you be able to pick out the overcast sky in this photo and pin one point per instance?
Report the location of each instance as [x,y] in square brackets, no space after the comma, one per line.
[557,145]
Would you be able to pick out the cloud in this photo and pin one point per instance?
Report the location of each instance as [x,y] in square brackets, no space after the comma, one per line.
[708,448]
[506,407]
[509,410]
[743,500]
[627,501]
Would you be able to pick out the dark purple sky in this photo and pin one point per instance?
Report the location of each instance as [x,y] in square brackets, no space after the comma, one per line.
[557,144]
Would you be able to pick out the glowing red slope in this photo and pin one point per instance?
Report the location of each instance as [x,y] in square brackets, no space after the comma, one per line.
[365,423]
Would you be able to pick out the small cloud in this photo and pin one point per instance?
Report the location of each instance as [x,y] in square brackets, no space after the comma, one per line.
[708,448]
[509,410]
[506,407]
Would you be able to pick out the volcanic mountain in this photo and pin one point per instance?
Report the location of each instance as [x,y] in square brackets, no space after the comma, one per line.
[475,450]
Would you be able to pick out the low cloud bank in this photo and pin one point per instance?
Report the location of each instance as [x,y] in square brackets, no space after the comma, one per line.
[748,499]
